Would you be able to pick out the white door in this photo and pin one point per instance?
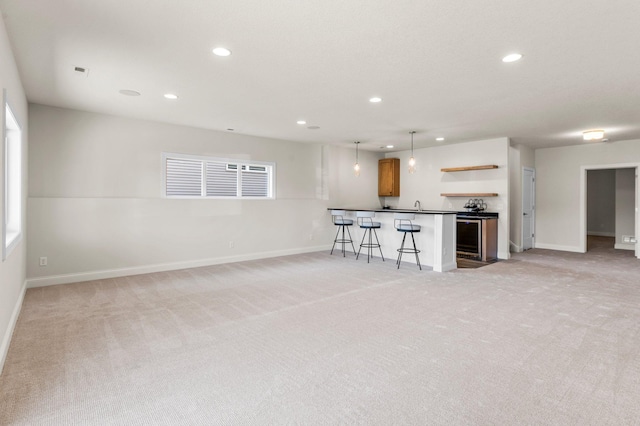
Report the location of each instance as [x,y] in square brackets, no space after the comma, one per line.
[528,207]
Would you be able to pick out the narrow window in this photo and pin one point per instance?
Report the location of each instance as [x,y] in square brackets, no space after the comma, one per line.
[12,199]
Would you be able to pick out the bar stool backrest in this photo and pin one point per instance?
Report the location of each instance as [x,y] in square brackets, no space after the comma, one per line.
[365,217]
[403,220]
[337,216]
[400,219]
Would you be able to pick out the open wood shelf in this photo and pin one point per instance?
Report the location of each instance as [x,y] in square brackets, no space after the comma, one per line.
[469,194]
[462,169]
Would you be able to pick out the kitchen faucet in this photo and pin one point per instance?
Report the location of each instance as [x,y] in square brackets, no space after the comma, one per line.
[417,204]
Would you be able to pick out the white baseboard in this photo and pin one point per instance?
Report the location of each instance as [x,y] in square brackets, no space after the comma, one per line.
[515,248]
[161,267]
[625,246]
[558,247]
[6,339]
[601,234]
[447,267]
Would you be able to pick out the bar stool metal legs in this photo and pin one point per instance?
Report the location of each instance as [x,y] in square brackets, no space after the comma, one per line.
[370,245]
[365,221]
[337,216]
[403,224]
[404,249]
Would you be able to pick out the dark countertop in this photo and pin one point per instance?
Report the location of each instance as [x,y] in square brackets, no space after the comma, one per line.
[381,210]
[477,215]
[460,215]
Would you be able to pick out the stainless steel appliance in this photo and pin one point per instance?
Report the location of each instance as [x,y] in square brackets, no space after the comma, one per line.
[477,238]
[469,232]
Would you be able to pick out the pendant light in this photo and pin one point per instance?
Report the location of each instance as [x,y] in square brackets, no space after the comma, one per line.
[593,135]
[412,160]
[356,167]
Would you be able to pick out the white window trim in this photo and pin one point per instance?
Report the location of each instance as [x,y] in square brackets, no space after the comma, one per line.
[10,238]
[272,182]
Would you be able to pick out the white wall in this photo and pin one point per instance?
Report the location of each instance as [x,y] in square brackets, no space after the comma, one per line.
[95,204]
[560,179]
[601,202]
[428,182]
[625,206]
[12,270]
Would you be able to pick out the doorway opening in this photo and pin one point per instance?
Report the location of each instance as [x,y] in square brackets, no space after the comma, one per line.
[609,209]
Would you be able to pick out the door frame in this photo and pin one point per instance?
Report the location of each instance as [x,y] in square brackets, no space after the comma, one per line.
[583,201]
[533,244]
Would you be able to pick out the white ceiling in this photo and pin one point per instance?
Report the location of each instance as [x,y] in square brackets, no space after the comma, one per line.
[436,64]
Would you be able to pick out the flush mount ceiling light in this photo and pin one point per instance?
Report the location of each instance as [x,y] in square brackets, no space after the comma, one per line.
[512,57]
[128,92]
[593,135]
[389,146]
[356,167]
[301,122]
[170,96]
[221,51]
[412,160]
[440,139]
[375,100]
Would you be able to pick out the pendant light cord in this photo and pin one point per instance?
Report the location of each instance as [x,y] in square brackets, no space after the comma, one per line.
[412,132]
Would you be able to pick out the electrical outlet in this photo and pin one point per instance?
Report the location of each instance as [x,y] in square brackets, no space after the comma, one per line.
[310,237]
[231,244]
[43,261]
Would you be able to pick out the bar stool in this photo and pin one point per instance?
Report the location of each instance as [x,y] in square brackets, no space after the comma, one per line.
[365,222]
[337,217]
[403,223]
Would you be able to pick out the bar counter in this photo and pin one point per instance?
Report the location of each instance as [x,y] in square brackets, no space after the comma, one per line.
[436,240]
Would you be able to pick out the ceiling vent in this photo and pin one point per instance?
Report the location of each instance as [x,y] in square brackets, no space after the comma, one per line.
[81,71]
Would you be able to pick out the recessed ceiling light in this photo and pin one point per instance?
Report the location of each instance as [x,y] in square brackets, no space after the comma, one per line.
[592,135]
[389,146]
[439,139]
[375,100]
[512,57]
[170,96]
[128,92]
[313,127]
[221,51]
[231,130]
[301,122]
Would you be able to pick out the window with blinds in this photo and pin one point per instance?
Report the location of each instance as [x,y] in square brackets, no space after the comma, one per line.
[190,176]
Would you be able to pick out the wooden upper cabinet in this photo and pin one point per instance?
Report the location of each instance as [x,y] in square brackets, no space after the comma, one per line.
[389,177]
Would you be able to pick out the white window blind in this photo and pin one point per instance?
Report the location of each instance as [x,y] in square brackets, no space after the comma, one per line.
[193,176]
[184,177]
[222,181]
[254,181]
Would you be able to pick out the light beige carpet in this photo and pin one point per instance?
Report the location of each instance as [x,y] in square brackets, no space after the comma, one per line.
[544,338]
